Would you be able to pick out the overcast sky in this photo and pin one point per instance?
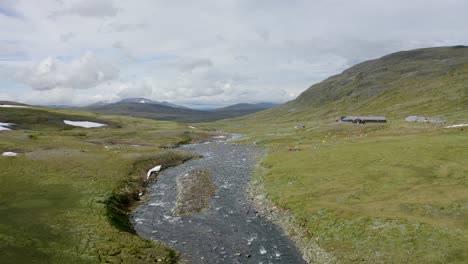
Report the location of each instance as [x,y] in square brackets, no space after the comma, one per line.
[204,52]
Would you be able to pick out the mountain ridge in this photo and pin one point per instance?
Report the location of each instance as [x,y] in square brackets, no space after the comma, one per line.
[158,111]
[429,81]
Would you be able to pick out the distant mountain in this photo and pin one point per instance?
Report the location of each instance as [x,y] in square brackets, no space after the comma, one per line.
[166,103]
[246,106]
[100,103]
[136,100]
[426,82]
[12,103]
[60,106]
[140,107]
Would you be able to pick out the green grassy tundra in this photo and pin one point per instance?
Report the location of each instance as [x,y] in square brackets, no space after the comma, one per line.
[378,193]
[65,198]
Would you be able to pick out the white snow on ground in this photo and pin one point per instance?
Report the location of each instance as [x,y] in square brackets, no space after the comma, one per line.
[9,154]
[192,127]
[86,124]
[458,125]
[155,169]
[4,126]
[14,106]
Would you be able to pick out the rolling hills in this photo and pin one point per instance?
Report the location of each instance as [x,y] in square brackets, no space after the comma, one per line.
[169,112]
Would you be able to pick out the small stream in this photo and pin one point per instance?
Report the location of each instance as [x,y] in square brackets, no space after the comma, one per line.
[229,231]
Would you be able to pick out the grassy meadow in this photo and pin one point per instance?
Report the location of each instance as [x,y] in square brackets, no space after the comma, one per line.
[379,193]
[65,198]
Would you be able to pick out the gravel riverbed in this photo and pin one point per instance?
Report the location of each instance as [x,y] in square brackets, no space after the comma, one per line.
[231,230]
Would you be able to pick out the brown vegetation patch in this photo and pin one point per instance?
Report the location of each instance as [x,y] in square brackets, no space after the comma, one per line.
[194,190]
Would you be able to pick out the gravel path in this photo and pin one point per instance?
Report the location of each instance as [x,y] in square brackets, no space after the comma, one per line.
[230,231]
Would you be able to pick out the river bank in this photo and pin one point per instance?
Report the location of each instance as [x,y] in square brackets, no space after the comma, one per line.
[305,242]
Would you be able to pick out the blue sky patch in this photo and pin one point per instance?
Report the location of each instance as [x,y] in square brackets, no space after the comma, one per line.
[8,12]
[15,56]
[8,86]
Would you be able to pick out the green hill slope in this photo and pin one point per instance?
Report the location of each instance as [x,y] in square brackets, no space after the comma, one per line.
[432,81]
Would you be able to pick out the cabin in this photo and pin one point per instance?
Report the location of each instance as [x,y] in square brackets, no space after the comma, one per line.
[363,119]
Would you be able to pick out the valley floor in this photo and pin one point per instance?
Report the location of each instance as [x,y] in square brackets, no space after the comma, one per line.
[378,193]
[64,198]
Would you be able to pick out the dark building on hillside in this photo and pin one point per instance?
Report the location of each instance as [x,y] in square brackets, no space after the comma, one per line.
[363,119]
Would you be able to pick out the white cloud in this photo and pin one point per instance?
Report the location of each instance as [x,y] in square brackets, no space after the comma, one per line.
[88,8]
[132,89]
[218,51]
[7,3]
[82,73]
[67,36]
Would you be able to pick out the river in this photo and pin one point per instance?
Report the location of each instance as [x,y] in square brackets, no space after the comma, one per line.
[230,231]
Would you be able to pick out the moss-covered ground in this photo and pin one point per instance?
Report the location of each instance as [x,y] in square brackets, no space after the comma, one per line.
[378,193]
[65,197]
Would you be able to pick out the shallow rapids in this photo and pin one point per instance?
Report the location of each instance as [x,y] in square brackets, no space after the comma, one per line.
[230,230]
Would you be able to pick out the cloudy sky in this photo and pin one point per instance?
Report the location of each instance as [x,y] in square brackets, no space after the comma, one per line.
[204,52]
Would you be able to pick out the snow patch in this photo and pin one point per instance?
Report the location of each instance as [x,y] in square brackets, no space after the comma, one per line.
[4,126]
[9,154]
[13,106]
[85,124]
[458,125]
[155,169]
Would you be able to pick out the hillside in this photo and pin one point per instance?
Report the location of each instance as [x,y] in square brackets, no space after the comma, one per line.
[158,111]
[248,107]
[432,81]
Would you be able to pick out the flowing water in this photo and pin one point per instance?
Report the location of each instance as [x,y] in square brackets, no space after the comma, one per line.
[229,231]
